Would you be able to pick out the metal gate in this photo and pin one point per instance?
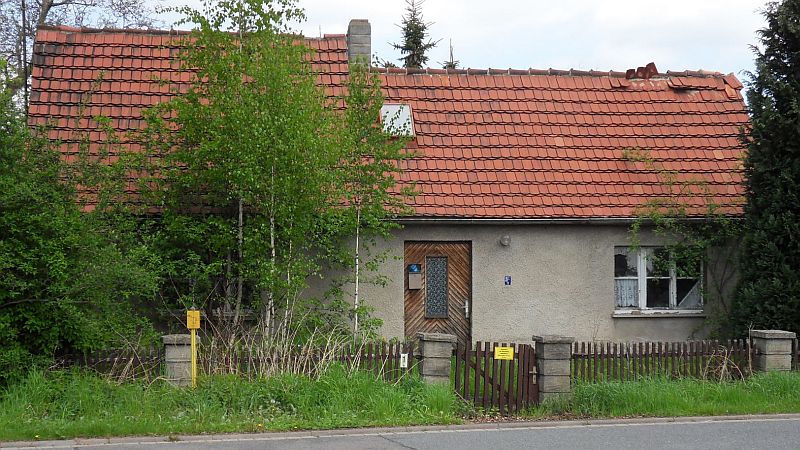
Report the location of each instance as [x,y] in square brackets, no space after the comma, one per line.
[506,384]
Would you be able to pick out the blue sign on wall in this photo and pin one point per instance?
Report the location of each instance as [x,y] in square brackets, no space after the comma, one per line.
[507,280]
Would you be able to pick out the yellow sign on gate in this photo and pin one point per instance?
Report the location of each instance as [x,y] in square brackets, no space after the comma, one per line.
[504,353]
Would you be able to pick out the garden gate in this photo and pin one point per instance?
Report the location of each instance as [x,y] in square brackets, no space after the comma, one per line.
[506,384]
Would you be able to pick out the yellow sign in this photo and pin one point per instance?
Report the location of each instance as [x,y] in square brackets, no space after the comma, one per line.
[504,353]
[193,319]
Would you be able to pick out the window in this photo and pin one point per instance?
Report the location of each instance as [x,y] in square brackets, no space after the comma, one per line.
[397,119]
[651,278]
[436,287]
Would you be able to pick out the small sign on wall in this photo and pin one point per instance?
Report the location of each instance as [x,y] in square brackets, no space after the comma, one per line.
[507,280]
[404,360]
[414,276]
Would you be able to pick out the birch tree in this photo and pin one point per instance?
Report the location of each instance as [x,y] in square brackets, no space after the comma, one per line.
[367,173]
[255,175]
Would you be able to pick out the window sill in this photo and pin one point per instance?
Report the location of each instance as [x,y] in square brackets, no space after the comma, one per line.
[654,313]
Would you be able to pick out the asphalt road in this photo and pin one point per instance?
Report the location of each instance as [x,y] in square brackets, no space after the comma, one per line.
[760,432]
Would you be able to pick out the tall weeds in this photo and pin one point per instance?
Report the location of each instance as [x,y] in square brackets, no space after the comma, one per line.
[259,351]
[253,353]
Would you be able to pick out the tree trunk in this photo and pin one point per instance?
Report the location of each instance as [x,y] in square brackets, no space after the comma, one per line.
[357,267]
[239,278]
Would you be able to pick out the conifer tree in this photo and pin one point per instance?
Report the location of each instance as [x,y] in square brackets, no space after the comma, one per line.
[451,63]
[415,37]
[769,292]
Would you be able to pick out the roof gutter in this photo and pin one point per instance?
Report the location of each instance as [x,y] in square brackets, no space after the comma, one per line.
[531,221]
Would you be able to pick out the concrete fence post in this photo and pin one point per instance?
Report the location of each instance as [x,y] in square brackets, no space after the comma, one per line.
[436,350]
[773,350]
[553,356]
[178,358]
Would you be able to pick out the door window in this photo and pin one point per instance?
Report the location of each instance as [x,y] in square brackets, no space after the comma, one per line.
[436,287]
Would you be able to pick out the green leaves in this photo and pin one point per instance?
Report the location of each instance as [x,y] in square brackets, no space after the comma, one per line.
[66,275]
[769,292]
[263,179]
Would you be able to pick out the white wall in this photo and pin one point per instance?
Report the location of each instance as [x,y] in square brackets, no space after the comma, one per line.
[562,283]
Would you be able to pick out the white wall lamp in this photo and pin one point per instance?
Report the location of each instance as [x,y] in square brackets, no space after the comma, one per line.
[505,240]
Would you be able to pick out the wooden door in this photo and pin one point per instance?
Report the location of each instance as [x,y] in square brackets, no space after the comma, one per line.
[444,302]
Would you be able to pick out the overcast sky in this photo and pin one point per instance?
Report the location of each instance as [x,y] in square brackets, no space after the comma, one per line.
[562,34]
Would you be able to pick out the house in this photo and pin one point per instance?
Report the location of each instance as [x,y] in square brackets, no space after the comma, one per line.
[527,184]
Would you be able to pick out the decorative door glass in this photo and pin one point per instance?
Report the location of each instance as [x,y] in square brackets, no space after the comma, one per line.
[436,287]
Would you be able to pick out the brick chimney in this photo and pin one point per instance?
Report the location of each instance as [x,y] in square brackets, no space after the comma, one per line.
[359,41]
[645,72]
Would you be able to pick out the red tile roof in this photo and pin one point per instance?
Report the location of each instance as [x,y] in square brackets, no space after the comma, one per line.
[491,143]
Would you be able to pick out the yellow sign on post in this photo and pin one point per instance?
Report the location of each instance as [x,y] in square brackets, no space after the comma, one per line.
[504,353]
[193,324]
[193,319]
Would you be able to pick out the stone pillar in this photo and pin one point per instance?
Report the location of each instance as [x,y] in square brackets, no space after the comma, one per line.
[773,350]
[553,355]
[359,41]
[436,350]
[178,358]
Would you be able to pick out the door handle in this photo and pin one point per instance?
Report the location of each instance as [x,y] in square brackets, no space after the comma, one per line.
[466,309]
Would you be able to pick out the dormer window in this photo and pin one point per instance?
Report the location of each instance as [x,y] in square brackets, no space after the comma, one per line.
[397,119]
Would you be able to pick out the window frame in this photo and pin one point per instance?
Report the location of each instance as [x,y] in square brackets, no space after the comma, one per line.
[392,117]
[641,253]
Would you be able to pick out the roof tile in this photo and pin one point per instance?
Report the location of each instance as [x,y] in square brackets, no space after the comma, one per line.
[490,143]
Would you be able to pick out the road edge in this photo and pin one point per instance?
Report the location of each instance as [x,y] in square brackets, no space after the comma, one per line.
[306,434]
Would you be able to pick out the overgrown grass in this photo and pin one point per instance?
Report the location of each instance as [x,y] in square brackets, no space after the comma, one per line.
[64,404]
[764,393]
[71,404]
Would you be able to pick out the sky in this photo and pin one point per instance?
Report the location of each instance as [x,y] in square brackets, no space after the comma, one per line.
[602,35]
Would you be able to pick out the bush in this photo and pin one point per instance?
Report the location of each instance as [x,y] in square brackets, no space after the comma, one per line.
[67,275]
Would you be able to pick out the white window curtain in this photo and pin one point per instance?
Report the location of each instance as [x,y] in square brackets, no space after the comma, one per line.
[627,293]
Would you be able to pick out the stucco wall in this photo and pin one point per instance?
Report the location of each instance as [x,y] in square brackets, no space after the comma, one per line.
[562,283]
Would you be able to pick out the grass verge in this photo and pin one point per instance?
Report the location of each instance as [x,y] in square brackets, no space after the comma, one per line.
[765,393]
[59,405]
[65,404]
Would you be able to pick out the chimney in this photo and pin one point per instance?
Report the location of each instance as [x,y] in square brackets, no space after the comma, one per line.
[359,41]
[645,72]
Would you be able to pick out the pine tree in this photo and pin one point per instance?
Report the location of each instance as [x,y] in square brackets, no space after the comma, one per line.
[769,293]
[415,34]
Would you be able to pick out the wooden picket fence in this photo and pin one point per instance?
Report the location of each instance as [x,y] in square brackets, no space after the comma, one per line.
[379,358]
[121,364]
[508,385]
[607,361]
[382,359]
